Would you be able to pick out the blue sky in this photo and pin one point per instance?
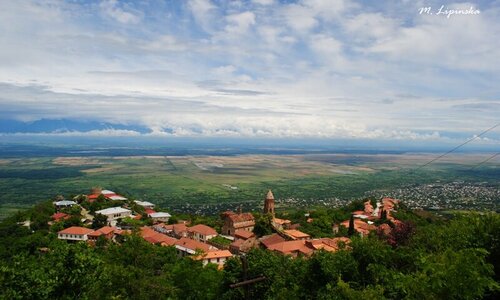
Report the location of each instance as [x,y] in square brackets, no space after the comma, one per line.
[295,69]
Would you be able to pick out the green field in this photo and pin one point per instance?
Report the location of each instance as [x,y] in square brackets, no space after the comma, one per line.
[171,181]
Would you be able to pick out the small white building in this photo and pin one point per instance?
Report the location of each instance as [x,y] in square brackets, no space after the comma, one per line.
[218,257]
[74,233]
[114,213]
[64,203]
[159,216]
[145,204]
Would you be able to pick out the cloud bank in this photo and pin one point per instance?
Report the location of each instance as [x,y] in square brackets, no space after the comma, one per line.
[319,69]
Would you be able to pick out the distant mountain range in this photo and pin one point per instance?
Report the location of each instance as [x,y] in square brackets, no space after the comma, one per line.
[63,125]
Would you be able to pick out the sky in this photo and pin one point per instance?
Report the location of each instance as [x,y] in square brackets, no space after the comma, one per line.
[332,69]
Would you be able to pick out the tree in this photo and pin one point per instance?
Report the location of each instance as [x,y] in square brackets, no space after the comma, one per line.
[263,225]
[99,221]
[350,231]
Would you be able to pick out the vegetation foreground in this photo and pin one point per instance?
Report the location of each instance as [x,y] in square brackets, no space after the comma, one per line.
[457,258]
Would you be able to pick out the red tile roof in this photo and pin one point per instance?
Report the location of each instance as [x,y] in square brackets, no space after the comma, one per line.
[214,254]
[76,230]
[202,229]
[193,245]
[154,237]
[328,244]
[272,239]
[102,231]
[360,226]
[291,247]
[243,217]
[243,234]
[296,234]
[60,215]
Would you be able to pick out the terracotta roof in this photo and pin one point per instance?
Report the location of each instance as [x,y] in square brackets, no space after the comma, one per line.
[360,226]
[155,237]
[243,234]
[214,254]
[296,234]
[76,230]
[281,221]
[122,231]
[176,228]
[60,215]
[270,195]
[368,207]
[237,243]
[328,244]
[92,196]
[202,229]
[102,231]
[291,247]
[272,239]
[243,217]
[192,244]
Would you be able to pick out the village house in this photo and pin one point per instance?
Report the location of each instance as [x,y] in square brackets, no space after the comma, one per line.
[243,234]
[187,246]
[74,233]
[110,195]
[107,232]
[237,221]
[114,213]
[293,248]
[269,240]
[360,226]
[155,237]
[174,230]
[218,257]
[159,216]
[296,234]
[145,204]
[201,232]
[64,204]
[281,224]
[60,216]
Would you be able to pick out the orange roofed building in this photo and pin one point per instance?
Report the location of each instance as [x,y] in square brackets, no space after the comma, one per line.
[74,233]
[296,234]
[237,221]
[218,257]
[360,226]
[293,248]
[187,246]
[201,232]
[154,237]
[106,231]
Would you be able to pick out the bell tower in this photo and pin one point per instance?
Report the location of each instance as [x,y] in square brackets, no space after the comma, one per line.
[269,203]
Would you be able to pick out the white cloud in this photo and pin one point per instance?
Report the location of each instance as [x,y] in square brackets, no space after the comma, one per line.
[112,9]
[310,68]
[240,23]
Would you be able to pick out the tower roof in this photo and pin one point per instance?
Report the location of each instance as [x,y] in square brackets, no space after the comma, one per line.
[270,195]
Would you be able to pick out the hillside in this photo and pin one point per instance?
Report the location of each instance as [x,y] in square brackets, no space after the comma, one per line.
[455,258]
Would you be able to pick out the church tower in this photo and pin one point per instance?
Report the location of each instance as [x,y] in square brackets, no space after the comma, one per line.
[269,203]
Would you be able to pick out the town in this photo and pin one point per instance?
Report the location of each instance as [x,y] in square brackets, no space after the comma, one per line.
[106,216]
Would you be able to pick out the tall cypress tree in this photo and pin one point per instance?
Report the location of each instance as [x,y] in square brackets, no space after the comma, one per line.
[350,230]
